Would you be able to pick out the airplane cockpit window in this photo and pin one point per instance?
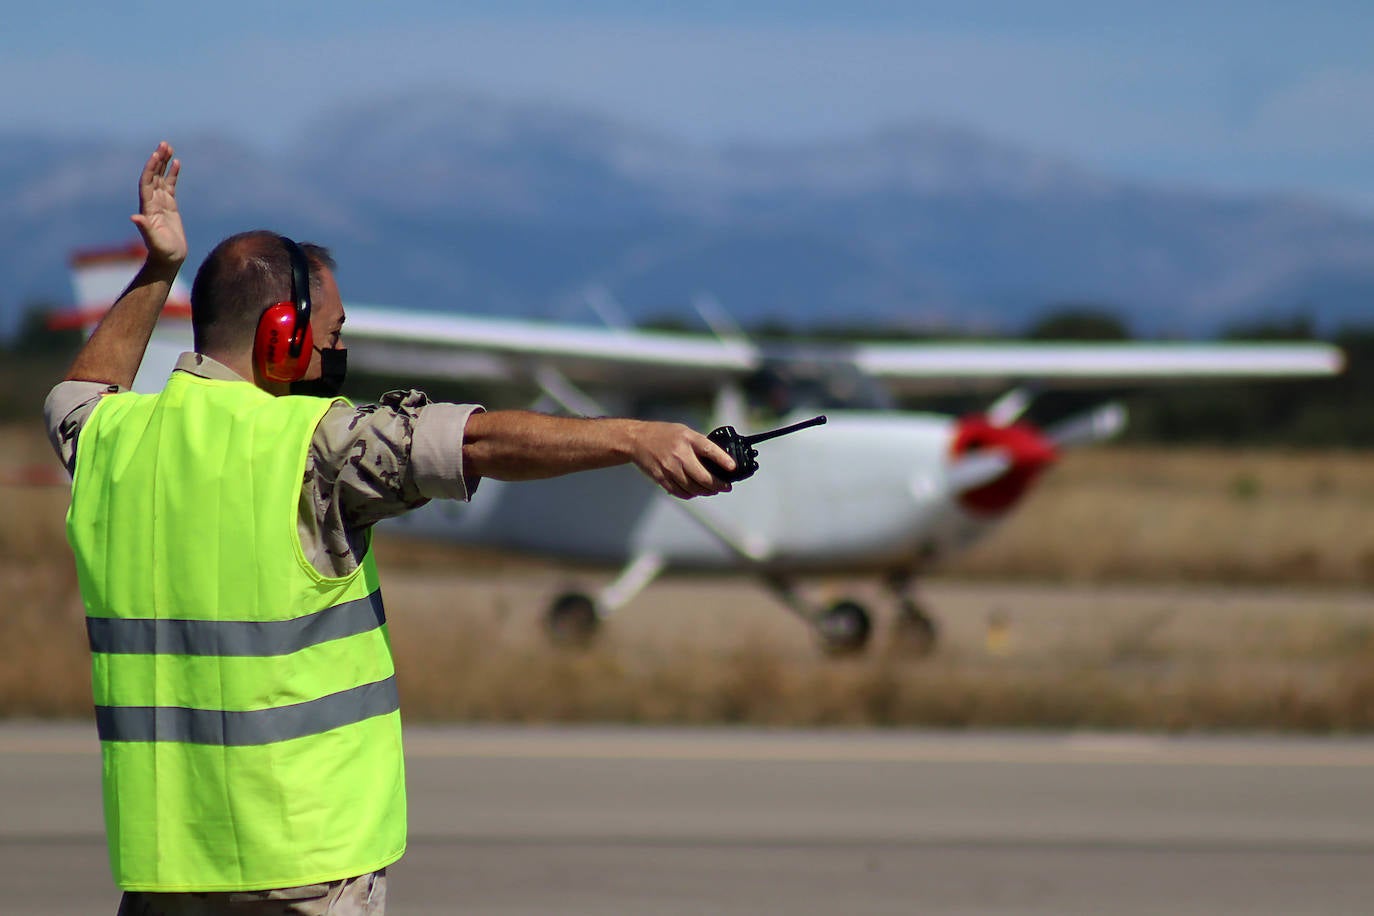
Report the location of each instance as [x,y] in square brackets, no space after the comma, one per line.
[780,389]
[773,392]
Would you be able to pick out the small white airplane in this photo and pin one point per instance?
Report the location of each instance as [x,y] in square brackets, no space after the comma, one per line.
[876,490]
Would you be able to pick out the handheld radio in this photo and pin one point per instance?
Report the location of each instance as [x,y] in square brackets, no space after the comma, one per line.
[741,448]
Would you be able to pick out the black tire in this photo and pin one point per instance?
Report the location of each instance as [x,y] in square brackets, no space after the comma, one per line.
[914,633]
[844,628]
[572,621]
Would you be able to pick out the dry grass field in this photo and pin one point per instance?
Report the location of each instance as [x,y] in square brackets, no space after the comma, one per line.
[1158,589]
[1169,515]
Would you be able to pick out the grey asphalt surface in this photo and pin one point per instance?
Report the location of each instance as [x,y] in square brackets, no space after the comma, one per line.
[602,820]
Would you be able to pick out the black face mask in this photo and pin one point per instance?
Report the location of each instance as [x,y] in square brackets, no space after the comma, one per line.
[333,368]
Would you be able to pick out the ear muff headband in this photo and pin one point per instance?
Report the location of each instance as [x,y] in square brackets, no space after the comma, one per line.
[300,294]
[282,347]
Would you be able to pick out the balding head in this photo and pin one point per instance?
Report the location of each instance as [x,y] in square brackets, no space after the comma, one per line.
[239,279]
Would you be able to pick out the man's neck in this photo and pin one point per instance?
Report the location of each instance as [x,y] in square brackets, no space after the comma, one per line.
[242,363]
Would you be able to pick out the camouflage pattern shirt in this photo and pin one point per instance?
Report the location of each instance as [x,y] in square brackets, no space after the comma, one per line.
[366,463]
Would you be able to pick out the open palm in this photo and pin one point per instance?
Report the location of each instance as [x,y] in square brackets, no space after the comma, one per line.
[157,218]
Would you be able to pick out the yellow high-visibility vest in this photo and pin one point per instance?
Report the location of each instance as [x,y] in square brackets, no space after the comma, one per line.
[246,704]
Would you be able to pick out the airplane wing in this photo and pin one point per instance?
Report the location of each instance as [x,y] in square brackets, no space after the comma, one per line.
[458,347]
[917,368]
[462,347]
[437,345]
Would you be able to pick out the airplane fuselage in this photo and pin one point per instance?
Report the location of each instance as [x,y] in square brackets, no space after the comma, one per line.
[865,492]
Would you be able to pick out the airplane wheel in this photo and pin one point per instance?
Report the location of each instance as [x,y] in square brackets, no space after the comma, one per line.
[572,621]
[844,628]
[914,633]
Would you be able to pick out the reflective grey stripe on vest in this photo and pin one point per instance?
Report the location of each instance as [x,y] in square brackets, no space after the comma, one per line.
[258,726]
[144,636]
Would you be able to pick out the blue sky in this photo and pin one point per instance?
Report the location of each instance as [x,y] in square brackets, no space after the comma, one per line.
[1235,96]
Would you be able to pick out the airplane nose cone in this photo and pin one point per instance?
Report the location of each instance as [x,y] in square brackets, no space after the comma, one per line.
[1025,450]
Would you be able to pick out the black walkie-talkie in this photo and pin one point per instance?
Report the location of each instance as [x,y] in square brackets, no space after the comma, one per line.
[741,448]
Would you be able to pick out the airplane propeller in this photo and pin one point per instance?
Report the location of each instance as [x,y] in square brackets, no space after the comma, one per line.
[996,456]
[982,465]
[1010,407]
[1088,427]
[976,469]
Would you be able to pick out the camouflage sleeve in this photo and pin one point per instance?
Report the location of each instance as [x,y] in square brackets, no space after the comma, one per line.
[376,461]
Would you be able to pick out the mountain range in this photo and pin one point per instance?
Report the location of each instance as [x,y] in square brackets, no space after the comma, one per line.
[439,200]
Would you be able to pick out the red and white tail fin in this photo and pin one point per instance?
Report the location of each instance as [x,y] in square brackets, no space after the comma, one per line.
[99,275]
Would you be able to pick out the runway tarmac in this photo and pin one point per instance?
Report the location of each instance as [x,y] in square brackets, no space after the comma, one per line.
[620,820]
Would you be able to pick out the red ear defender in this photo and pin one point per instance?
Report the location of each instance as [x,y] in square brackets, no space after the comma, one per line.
[272,347]
[284,342]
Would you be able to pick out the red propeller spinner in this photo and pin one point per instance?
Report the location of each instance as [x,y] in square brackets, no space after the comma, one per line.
[1026,450]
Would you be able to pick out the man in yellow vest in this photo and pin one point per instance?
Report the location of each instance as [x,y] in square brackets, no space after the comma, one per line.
[242,674]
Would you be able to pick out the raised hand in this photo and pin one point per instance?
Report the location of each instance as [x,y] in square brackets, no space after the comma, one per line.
[113,352]
[157,218]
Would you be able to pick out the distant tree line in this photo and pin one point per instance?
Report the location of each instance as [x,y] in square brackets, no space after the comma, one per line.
[1312,413]
[1323,413]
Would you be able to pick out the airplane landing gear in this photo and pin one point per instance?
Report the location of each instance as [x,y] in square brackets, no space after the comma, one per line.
[913,632]
[574,617]
[844,628]
[572,621]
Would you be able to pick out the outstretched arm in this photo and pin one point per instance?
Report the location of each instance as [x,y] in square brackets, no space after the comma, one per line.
[519,445]
[112,354]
